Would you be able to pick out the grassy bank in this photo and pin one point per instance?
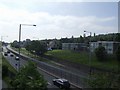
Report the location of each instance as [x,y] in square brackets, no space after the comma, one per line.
[7,79]
[25,52]
[76,57]
[5,62]
[83,58]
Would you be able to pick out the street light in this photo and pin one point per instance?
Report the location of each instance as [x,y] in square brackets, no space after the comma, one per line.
[89,50]
[20,38]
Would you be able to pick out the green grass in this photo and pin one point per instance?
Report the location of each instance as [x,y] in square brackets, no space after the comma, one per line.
[11,69]
[83,58]
[25,52]
[5,62]
[76,57]
[69,55]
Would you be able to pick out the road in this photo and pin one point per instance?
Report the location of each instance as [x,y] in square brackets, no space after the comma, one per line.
[13,62]
[76,79]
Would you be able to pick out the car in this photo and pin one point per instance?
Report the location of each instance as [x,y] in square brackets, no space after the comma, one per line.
[16,58]
[61,83]
[8,51]
[11,55]
[5,53]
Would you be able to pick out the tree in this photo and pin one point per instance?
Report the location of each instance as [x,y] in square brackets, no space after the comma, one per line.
[117,38]
[118,54]
[81,39]
[29,77]
[101,53]
[15,44]
[27,47]
[72,39]
[37,47]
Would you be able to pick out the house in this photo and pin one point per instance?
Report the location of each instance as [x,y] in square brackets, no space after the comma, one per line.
[74,46]
[110,46]
[54,44]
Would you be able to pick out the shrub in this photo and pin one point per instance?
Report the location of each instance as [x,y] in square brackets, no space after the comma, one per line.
[118,54]
[4,70]
[101,53]
[29,77]
[105,80]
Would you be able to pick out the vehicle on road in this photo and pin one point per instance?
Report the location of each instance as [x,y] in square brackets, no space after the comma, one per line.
[11,55]
[61,83]
[8,51]
[5,53]
[16,58]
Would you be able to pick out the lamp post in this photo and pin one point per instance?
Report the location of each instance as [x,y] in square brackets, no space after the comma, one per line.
[89,51]
[20,39]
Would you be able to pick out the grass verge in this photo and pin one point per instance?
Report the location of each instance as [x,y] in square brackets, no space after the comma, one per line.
[76,57]
[83,58]
[7,79]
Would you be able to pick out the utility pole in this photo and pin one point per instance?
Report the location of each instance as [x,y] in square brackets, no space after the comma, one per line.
[20,40]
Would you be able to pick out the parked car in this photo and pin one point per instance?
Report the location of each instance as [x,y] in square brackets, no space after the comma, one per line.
[5,53]
[16,58]
[61,83]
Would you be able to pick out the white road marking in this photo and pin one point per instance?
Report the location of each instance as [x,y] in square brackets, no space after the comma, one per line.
[49,83]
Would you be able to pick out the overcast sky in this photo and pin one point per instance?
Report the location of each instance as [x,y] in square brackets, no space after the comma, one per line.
[57,18]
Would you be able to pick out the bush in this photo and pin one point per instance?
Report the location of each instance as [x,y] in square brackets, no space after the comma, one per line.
[101,53]
[105,80]
[29,77]
[118,54]
[4,70]
[37,47]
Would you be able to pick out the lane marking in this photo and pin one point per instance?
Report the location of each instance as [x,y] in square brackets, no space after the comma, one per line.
[58,64]
[49,83]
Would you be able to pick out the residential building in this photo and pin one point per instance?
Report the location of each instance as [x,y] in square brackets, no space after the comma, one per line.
[74,46]
[110,46]
[54,44]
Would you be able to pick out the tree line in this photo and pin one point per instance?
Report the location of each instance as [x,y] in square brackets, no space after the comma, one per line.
[39,47]
[104,80]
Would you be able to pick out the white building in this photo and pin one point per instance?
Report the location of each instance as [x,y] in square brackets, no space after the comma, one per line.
[54,44]
[74,46]
[110,46]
